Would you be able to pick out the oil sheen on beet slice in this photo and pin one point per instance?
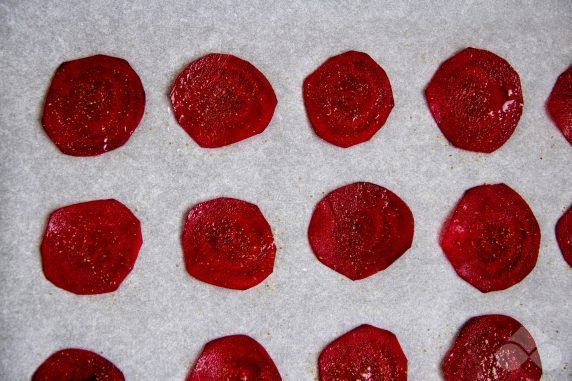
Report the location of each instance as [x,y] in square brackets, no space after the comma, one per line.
[360,229]
[492,237]
[221,99]
[364,353]
[77,365]
[564,235]
[237,357]
[89,248]
[348,99]
[228,243]
[493,347]
[559,104]
[93,105]
[476,99]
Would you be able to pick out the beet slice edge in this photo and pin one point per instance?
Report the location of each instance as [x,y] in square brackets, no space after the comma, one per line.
[476,99]
[492,347]
[236,357]
[93,105]
[221,99]
[348,99]
[90,247]
[366,352]
[228,243]
[360,229]
[491,238]
[74,364]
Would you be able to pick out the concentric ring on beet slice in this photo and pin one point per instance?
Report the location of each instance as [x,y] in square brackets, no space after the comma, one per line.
[476,99]
[364,353]
[221,99]
[228,243]
[348,99]
[90,247]
[559,104]
[360,229]
[77,365]
[564,235]
[237,357]
[492,347]
[93,105]
[491,238]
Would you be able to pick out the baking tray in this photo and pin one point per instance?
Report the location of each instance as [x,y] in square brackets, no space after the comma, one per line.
[155,325]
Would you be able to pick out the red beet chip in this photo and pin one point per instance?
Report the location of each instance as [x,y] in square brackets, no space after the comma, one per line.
[348,99]
[360,229]
[364,353]
[93,105]
[492,237]
[564,235]
[221,99]
[493,347]
[476,99]
[228,243]
[89,248]
[237,357]
[77,365]
[559,104]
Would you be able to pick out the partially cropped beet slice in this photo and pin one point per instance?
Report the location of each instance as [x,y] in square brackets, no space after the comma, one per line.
[221,99]
[364,353]
[492,237]
[564,235]
[493,347]
[77,365]
[89,248]
[559,104]
[237,357]
[360,229]
[476,99]
[228,243]
[348,99]
[93,105]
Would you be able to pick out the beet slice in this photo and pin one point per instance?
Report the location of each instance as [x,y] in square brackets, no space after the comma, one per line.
[89,248]
[492,237]
[564,235]
[93,105]
[559,104]
[476,99]
[228,243]
[348,99]
[237,357]
[221,99]
[493,347]
[77,365]
[364,353]
[360,229]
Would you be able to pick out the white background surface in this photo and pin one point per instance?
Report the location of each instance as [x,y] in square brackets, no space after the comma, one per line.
[154,326]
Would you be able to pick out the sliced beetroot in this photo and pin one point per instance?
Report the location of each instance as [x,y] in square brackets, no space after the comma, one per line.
[493,347]
[364,353]
[221,99]
[564,235]
[360,229]
[559,104]
[492,237]
[93,105]
[476,99]
[228,243]
[77,365]
[348,99]
[89,248]
[231,358]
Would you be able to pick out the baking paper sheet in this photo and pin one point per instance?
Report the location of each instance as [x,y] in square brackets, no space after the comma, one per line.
[155,325]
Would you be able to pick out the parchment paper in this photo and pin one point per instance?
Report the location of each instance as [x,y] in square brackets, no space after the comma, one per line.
[155,325]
